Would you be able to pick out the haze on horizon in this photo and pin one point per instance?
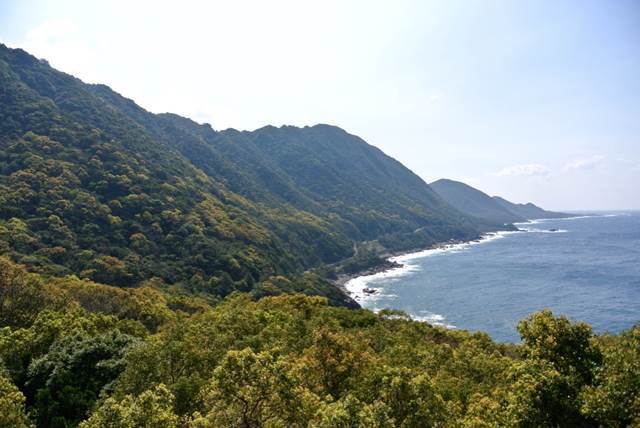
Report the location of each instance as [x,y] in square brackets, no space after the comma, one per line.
[531,100]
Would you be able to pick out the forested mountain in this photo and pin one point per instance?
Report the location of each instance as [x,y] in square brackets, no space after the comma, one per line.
[322,170]
[129,227]
[474,202]
[529,211]
[489,209]
[93,185]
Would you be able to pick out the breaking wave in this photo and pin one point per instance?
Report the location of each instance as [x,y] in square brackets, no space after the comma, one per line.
[359,288]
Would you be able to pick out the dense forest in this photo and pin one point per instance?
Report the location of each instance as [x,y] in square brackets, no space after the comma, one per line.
[78,353]
[155,272]
[93,185]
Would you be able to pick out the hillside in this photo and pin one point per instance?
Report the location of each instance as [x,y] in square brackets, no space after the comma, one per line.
[321,169]
[77,353]
[528,210]
[93,185]
[122,231]
[474,202]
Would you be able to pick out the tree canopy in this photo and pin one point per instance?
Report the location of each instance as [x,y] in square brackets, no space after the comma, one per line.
[295,361]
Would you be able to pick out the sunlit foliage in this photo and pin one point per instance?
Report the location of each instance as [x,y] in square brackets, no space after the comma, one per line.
[295,361]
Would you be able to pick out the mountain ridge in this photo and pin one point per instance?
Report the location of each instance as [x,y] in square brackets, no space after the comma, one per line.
[529,210]
[474,202]
[94,185]
[490,209]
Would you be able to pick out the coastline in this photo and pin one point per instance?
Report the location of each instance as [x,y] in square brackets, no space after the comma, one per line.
[396,261]
[515,276]
[388,263]
[355,285]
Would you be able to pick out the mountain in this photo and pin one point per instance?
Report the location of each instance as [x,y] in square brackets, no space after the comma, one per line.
[474,202]
[93,185]
[528,210]
[127,226]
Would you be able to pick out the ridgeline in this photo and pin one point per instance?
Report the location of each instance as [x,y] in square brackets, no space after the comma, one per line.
[155,272]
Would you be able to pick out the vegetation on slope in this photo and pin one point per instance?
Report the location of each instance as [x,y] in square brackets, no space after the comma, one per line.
[129,228]
[529,211]
[93,355]
[93,185]
[474,203]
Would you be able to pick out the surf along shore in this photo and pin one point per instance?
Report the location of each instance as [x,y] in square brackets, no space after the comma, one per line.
[394,264]
[356,284]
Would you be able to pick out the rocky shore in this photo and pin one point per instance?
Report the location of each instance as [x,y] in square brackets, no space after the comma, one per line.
[387,263]
[343,278]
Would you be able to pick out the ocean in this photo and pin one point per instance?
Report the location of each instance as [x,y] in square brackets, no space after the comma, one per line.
[586,267]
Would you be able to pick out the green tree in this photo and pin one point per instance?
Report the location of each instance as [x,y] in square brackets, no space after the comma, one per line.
[250,390]
[410,397]
[12,405]
[485,412]
[539,396]
[567,346]
[334,363]
[562,359]
[68,379]
[614,399]
[21,295]
[151,409]
[349,412]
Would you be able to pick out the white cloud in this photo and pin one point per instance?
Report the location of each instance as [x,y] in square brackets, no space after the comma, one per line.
[583,163]
[526,170]
[433,98]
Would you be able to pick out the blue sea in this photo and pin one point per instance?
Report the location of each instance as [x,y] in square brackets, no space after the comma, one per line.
[586,267]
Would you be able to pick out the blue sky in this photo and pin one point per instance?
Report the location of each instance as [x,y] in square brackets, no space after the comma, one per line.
[532,100]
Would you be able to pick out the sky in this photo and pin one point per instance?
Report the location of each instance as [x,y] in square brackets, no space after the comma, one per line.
[531,100]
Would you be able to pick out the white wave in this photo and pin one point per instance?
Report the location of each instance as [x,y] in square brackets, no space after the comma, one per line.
[428,317]
[356,286]
[577,217]
[451,248]
[534,221]
[580,217]
[522,225]
[534,230]
[433,319]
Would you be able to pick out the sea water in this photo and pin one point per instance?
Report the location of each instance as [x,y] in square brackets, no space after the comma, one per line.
[586,267]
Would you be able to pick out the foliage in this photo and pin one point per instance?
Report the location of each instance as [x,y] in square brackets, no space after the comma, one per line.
[93,185]
[12,408]
[150,409]
[67,380]
[249,390]
[292,360]
[155,273]
[614,397]
[22,295]
[565,345]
